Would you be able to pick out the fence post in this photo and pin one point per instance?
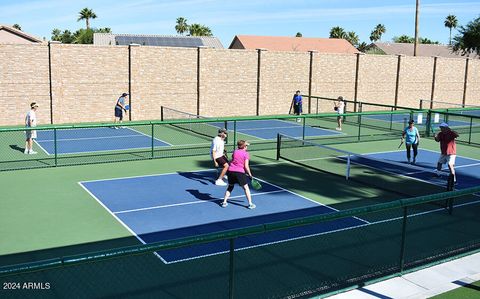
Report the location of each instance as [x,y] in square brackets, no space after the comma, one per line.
[359,126]
[303,127]
[397,81]
[310,78]
[279,140]
[404,236]
[153,141]
[470,131]
[432,96]
[232,269]
[55,145]
[234,135]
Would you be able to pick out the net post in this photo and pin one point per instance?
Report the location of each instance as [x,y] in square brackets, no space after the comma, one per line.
[428,124]
[232,269]
[161,113]
[470,131]
[234,134]
[303,127]
[359,126]
[55,145]
[404,238]
[347,175]
[279,141]
[153,140]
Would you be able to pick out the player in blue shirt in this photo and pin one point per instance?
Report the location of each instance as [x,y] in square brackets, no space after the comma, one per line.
[412,139]
[297,104]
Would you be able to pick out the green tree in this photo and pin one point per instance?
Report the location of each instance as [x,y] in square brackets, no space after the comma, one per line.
[337,32]
[425,40]
[299,34]
[86,14]
[363,47]
[16,26]
[468,41]
[451,22]
[352,38]
[377,32]
[181,26]
[199,30]
[403,39]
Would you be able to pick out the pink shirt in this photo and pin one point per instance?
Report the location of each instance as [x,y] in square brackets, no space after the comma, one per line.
[239,157]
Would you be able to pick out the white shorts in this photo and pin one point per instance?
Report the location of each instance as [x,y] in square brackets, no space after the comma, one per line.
[447,159]
[31,134]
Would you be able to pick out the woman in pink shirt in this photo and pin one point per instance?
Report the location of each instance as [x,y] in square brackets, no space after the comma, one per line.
[236,173]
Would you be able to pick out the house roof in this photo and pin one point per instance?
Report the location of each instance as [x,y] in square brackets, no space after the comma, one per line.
[287,43]
[156,40]
[422,50]
[21,34]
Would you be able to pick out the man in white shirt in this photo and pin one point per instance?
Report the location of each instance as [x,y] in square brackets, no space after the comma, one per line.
[217,152]
[30,122]
[340,108]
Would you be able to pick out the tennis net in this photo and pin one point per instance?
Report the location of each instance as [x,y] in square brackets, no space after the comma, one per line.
[388,175]
[429,104]
[206,129]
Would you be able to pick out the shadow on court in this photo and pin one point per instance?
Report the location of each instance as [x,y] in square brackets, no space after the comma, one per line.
[17,148]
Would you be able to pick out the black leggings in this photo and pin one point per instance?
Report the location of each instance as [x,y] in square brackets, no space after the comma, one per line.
[415,150]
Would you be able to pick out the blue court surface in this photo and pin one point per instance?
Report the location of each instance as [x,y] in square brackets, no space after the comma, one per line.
[269,128]
[420,121]
[467,170]
[71,141]
[170,206]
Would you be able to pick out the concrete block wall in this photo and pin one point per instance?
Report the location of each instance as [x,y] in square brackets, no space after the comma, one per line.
[333,75]
[472,93]
[162,77]
[228,82]
[449,81]
[377,79]
[86,80]
[281,75]
[415,80]
[23,79]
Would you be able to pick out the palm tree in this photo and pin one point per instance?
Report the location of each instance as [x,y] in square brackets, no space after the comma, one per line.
[380,29]
[16,26]
[337,32]
[374,36]
[363,47]
[451,22]
[299,34]
[199,30]
[87,14]
[352,38]
[181,26]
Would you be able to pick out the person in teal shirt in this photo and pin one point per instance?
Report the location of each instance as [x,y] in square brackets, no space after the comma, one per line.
[412,139]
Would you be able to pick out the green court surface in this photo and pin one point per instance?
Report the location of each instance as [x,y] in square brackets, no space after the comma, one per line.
[470,291]
[46,214]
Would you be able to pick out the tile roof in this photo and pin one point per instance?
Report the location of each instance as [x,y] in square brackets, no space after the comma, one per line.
[19,33]
[156,40]
[287,43]
[422,50]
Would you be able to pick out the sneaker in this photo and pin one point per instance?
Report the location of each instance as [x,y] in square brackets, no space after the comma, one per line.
[338,129]
[220,183]
[225,177]
[32,152]
[252,206]
[25,151]
[224,204]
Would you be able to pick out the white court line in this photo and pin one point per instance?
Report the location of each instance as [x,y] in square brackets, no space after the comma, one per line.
[192,202]
[119,220]
[41,147]
[149,137]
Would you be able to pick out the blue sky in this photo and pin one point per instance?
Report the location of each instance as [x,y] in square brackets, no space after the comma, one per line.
[313,18]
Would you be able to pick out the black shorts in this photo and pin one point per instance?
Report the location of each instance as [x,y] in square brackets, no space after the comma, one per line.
[297,109]
[118,112]
[221,161]
[237,178]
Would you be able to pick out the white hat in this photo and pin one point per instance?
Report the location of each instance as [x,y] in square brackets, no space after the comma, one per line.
[445,125]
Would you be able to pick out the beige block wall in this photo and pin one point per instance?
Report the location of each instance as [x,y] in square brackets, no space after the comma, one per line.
[449,81]
[24,79]
[415,82]
[163,77]
[87,80]
[473,83]
[333,75]
[228,82]
[282,73]
[376,79]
